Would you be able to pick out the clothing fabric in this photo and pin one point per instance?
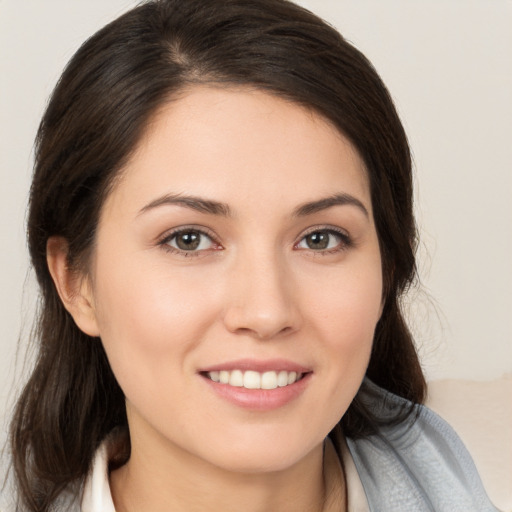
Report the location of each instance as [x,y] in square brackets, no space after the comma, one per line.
[341,478]
[417,465]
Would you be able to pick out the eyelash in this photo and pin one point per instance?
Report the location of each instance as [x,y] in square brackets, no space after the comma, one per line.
[345,241]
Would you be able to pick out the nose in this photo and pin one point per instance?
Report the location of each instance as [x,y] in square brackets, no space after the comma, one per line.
[262,302]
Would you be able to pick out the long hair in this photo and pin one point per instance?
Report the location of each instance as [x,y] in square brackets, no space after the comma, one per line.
[97,114]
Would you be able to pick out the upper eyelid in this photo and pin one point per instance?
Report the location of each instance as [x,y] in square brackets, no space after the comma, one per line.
[167,235]
[334,229]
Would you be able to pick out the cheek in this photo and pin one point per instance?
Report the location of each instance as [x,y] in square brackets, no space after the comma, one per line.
[346,314]
[149,317]
[348,305]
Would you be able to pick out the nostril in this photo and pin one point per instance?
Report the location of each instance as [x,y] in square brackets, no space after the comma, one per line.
[264,332]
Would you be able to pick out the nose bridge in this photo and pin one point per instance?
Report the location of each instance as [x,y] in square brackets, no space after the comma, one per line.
[260,292]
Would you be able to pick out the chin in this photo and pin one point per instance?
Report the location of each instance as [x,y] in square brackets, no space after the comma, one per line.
[264,455]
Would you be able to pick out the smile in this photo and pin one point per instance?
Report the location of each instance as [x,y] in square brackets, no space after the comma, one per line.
[258,385]
[250,379]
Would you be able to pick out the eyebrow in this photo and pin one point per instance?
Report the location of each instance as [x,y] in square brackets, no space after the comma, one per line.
[328,202]
[218,208]
[194,203]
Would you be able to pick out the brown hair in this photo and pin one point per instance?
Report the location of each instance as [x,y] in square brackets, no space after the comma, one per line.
[97,114]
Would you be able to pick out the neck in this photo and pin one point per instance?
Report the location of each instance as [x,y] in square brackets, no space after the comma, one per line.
[183,482]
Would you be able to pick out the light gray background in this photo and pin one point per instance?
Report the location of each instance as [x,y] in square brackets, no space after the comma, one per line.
[448,65]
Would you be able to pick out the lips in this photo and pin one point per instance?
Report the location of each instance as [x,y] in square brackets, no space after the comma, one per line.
[258,385]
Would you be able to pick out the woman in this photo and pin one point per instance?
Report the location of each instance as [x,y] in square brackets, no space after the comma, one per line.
[221,225]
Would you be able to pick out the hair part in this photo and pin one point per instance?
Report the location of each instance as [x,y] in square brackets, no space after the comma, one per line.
[98,112]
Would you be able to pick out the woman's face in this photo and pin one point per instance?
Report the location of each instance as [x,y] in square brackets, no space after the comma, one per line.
[237,252]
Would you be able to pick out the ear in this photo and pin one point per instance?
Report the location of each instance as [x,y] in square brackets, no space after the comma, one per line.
[74,289]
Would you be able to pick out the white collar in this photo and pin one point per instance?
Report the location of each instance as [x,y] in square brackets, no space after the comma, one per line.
[356,497]
[96,494]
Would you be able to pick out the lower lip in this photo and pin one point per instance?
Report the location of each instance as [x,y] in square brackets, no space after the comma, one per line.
[259,399]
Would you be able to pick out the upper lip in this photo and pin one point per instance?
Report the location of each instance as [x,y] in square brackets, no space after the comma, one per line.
[258,365]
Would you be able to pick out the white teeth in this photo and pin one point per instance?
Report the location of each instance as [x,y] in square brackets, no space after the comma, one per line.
[252,380]
[255,380]
[269,380]
[292,377]
[282,379]
[236,379]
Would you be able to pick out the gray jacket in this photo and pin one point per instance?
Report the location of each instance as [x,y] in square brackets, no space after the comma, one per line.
[419,465]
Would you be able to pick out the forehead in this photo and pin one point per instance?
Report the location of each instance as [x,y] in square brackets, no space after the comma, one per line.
[241,146]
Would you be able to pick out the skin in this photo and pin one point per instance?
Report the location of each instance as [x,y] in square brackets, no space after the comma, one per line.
[254,289]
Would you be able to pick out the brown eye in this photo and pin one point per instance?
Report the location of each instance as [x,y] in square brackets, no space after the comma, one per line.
[190,240]
[318,241]
[322,240]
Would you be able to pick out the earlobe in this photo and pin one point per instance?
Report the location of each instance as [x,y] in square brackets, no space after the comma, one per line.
[74,290]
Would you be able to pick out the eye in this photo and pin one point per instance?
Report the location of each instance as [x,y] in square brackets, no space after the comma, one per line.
[324,240]
[189,240]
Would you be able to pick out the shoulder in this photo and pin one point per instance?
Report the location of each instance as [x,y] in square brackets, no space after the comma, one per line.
[419,464]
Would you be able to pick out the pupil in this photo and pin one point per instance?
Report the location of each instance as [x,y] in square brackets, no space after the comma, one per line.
[188,241]
[318,240]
